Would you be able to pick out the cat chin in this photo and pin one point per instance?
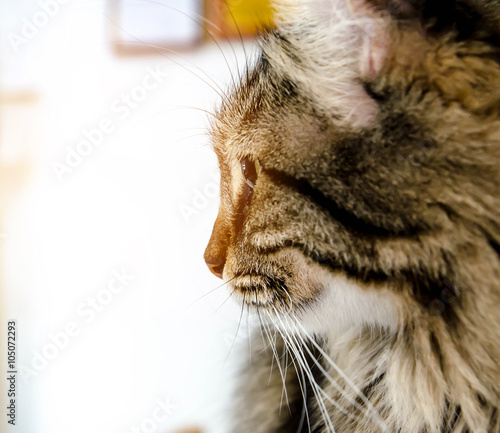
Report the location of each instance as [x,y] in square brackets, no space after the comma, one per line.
[321,300]
[339,307]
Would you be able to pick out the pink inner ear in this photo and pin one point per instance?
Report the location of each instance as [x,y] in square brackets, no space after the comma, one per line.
[375,43]
[374,54]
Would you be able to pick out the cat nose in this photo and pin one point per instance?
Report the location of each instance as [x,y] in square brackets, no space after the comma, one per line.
[215,254]
[215,264]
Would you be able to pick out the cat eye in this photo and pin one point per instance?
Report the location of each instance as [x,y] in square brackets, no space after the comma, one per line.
[249,170]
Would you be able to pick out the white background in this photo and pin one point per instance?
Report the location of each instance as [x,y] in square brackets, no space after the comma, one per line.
[120,208]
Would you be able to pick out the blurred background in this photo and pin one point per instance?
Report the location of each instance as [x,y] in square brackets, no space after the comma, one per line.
[108,193]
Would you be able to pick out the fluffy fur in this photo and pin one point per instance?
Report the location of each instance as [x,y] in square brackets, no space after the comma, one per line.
[370,243]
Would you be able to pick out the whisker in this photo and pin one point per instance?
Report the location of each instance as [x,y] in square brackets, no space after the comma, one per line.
[335,384]
[158,49]
[316,387]
[180,140]
[189,107]
[284,357]
[180,107]
[275,354]
[237,329]
[303,389]
[198,23]
[208,293]
[226,38]
[260,320]
[367,402]
[343,393]
[227,299]
[272,361]
[302,385]
[249,336]
[241,38]
[262,330]
[290,307]
[303,362]
[193,128]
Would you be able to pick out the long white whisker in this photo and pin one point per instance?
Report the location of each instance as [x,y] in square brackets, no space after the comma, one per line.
[158,49]
[241,40]
[237,329]
[198,23]
[295,351]
[212,24]
[337,387]
[209,292]
[284,358]
[367,402]
[316,388]
[275,354]
[302,384]
[249,336]
[261,327]
[301,359]
[227,299]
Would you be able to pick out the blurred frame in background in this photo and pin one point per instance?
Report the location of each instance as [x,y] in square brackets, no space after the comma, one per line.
[145,26]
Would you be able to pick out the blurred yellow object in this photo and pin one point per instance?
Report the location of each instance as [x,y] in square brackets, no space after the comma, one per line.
[235,17]
[248,15]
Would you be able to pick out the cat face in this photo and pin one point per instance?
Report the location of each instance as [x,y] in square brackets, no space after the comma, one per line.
[360,165]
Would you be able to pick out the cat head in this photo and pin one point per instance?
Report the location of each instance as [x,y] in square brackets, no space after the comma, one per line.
[359,164]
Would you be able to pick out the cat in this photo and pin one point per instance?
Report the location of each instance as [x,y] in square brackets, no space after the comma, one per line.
[360,218]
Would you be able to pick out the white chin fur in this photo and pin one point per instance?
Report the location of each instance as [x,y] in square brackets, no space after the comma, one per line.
[346,306]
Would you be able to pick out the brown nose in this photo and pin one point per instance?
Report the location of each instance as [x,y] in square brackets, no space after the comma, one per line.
[215,264]
[215,254]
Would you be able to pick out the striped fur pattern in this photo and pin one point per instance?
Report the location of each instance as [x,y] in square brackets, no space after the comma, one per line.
[360,218]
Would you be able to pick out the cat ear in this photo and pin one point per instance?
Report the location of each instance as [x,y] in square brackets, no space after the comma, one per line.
[357,26]
[339,45]
[464,19]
